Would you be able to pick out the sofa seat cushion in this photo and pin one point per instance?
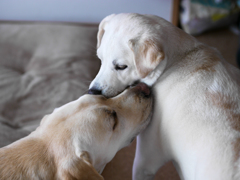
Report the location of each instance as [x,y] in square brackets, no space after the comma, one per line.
[42,66]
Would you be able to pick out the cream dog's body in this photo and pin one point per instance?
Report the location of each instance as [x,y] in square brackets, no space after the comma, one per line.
[78,139]
[196,119]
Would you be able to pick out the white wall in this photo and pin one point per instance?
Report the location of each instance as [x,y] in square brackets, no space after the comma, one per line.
[87,11]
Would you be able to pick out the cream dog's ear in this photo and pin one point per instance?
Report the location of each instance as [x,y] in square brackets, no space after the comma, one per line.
[148,54]
[101,29]
[81,169]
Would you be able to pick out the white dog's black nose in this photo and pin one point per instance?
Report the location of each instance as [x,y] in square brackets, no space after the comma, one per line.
[94,91]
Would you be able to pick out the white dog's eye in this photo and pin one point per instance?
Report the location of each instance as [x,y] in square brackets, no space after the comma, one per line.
[120,67]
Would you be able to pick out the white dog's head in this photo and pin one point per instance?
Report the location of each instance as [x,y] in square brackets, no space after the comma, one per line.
[129,49]
[95,128]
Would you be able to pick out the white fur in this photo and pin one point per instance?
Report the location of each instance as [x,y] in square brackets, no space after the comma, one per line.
[197,98]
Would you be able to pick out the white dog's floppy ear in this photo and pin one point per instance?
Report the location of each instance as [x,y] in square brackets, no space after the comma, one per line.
[101,29]
[148,54]
[82,169]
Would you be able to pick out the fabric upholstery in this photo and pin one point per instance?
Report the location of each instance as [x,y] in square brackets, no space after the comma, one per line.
[43,66]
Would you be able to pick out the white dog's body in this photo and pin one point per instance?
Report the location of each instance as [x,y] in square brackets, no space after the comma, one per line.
[196,120]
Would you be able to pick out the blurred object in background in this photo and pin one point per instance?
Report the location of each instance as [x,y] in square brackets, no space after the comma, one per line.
[83,11]
[197,16]
[238,52]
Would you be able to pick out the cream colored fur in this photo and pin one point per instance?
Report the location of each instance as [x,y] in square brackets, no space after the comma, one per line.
[196,118]
[78,139]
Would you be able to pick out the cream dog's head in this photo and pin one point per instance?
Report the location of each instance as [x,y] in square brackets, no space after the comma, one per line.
[129,49]
[93,128]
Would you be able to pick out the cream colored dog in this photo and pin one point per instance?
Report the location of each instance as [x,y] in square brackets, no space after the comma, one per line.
[78,139]
[196,119]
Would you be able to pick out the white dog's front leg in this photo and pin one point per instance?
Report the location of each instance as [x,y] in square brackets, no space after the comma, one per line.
[143,167]
[148,157]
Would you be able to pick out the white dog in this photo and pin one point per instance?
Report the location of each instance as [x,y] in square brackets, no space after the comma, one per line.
[196,120]
[78,139]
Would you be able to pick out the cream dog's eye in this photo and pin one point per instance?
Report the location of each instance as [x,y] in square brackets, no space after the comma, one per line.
[114,114]
[120,67]
[113,118]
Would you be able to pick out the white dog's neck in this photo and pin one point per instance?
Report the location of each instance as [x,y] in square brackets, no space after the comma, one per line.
[151,78]
[172,56]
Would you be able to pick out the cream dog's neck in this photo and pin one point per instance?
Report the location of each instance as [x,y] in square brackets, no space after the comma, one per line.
[27,156]
[33,158]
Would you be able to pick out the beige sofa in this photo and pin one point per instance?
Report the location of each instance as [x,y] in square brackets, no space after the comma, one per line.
[43,66]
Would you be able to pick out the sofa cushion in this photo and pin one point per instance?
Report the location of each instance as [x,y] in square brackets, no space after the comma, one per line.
[42,66]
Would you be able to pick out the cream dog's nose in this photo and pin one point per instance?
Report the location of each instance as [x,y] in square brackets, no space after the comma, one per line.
[143,89]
